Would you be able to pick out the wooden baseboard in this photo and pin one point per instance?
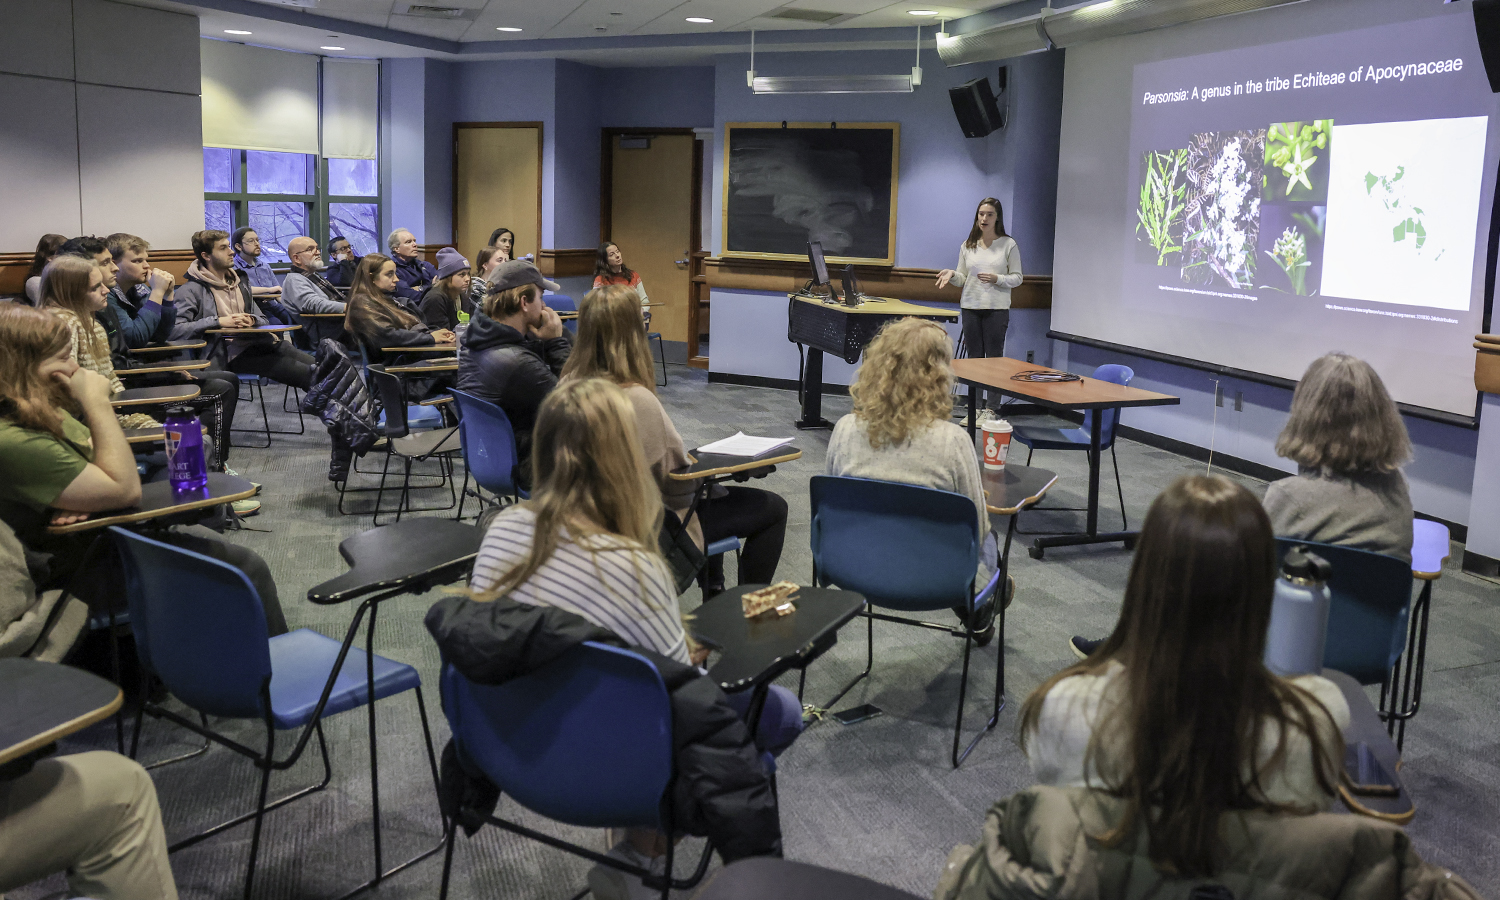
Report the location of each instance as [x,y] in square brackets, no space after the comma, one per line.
[14,266]
[567,263]
[779,276]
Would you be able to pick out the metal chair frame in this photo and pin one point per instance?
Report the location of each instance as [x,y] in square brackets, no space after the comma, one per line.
[257,389]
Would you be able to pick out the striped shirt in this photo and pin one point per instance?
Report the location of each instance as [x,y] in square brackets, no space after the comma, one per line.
[599,578]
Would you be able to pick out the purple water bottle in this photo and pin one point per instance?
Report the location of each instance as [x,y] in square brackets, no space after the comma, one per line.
[186,469]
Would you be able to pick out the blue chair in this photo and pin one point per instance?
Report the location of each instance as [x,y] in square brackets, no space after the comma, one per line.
[563,303]
[1036,438]
[489,449]
[586,740]
[201,629]
[906,548]
[410,446]
[1373,624]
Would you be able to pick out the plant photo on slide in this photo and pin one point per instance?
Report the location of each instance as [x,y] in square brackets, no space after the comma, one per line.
[1291,238]
[1222,219]
[1158,225]
[1296,166]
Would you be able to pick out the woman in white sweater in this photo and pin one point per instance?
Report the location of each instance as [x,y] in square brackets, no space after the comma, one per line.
[989,265]
[1175,711]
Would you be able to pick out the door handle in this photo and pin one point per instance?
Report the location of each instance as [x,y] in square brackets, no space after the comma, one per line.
[680,262]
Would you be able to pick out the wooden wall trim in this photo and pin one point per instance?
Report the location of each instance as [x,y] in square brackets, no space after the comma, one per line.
[430,251]
[784,276]
[567,263]
[14,266]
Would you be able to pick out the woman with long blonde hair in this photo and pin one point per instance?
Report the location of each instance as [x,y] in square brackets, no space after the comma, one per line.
[902,430]
[611,344]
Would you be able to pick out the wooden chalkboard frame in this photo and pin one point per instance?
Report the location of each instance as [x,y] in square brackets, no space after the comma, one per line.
[894,128]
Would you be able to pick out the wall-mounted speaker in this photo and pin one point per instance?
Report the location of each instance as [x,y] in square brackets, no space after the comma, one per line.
[975,105]
[1487,28]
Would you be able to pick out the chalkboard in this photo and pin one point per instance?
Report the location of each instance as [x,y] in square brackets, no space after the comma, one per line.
[807,181]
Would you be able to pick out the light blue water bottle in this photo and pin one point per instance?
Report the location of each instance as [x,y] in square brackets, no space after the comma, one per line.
[1299,615]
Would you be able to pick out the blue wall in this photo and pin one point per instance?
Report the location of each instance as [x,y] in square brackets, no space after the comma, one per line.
[660,97]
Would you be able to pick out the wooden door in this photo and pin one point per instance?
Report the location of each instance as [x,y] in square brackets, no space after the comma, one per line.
[651,219]
[497,182]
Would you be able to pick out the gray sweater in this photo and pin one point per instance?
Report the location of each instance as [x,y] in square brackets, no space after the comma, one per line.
[940,456]
[1366,510]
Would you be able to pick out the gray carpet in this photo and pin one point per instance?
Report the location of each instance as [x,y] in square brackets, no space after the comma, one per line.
[877,798]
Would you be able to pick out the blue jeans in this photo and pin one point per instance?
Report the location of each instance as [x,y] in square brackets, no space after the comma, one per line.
[780,720]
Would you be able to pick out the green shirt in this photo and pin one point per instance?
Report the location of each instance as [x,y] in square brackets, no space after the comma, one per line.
[35,468]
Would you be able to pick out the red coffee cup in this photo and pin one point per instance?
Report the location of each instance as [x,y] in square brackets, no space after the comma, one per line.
[994,436]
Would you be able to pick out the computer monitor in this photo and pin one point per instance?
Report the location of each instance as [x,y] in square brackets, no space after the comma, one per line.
[819,266]
[851,287]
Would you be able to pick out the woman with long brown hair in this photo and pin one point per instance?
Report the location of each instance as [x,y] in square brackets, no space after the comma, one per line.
[376,320]
[902,430]
[611,344]
[989,265]
[46,249]
[1175,712]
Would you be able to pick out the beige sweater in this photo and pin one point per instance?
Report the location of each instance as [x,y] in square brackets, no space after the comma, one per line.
[97,359]
[665,453]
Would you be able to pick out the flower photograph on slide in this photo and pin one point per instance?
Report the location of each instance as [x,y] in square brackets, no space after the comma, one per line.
[1158,225]
[1222,221]
[1296,166]
[1402,212]
[1291,240]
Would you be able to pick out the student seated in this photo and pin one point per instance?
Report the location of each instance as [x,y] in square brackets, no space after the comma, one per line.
[442,302]
[503,242]
[215,296]
[63,456]
[341,261]
[485,263]
[251,266]
[306,289]
[1349,443]
[902,430]
[513,351]
[46,248]
[414,274]
[92,815]
[584,548]
[375,318]
[611,344]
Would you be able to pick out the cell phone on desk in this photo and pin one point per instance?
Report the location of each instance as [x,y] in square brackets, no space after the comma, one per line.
[1366,774]
[858,714]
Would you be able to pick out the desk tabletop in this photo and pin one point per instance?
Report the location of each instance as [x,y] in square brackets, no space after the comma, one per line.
[884,306]
[710,465]
[1014,488]
[430,348]
[41,702]
[312,315]
[995,374]
[258,329]
[170,347]
[424,367]
[754,651]
[160,368]
[147,396]
[144,435]
[1429,549]
[421,553]
[159,500]
[1365,725]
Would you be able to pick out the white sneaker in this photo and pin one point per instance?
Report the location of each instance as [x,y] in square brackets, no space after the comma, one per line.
[243,508]
[984,416]
[233,474]
[606,883]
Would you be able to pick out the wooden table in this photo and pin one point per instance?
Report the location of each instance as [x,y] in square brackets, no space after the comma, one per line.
[159,501]
[144,435]
[258,329]
[721,465]
[994,374]
[426,367]
[169,347]
[163,368]
[1365,727]
[308,315]
[429,348]
[41,702]
[155,396]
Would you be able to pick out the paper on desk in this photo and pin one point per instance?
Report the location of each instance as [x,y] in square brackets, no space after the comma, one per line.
[743,444]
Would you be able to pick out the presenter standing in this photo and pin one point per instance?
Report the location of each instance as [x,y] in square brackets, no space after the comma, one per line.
[989,265]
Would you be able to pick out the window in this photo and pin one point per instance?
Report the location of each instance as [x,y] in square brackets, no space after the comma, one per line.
[284,195]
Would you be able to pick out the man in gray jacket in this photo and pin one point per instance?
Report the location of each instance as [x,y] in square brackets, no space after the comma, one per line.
[305,290]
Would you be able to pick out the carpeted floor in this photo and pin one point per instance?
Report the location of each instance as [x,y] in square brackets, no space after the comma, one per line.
[877,798]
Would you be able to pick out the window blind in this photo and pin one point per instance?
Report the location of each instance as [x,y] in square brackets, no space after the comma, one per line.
[351,106]
[259,99]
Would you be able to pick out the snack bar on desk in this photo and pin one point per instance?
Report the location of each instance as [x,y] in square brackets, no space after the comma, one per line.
[776,597]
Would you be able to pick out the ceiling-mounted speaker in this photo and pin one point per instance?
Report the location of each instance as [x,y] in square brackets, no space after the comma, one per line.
[978,112]
[1487,29]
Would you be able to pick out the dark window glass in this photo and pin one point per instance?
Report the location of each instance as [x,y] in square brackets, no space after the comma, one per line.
[276,224]
[351,177]
[218,215]
[278,173]
[359,222]
[221,170]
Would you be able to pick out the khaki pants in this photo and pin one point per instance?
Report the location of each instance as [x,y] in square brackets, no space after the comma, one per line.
[93,815]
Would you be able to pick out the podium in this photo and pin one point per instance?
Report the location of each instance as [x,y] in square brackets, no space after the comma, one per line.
[828,326]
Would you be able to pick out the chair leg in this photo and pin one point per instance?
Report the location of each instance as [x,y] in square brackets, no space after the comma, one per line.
[463,494]
[1115,461]
[661,352]
[449,834]
[260,808]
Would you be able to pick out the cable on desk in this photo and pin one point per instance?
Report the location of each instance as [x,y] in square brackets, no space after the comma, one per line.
[1045,376]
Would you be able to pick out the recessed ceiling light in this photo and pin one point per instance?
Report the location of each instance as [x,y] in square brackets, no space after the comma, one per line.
[699,20]
[330,48]
[236,31]
[507,28]
[921,12]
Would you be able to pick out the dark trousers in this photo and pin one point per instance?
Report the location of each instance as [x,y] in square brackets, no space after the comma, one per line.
[984,337]
[279,361]
[757,516]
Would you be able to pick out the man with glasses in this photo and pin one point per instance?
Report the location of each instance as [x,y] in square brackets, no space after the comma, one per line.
[341,262]
[305,290]
[263,281]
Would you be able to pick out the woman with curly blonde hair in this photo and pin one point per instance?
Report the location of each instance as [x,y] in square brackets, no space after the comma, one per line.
[902,430]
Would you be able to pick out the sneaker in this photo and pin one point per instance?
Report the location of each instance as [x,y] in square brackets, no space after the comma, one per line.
[1082,647]
[608,883]
[233,474]
[243,508]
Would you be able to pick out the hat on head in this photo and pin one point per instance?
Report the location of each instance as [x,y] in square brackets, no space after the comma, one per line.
[516,273]
[450,261]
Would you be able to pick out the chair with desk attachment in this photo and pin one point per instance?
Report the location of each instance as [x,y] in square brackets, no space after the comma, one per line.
[411,446]
[489,450]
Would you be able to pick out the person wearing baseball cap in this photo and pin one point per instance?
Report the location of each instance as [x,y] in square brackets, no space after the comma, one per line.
[450,287]
[513,351]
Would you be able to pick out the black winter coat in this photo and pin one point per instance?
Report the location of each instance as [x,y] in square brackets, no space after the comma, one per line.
[339,397]
[515,372]
[722,790]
